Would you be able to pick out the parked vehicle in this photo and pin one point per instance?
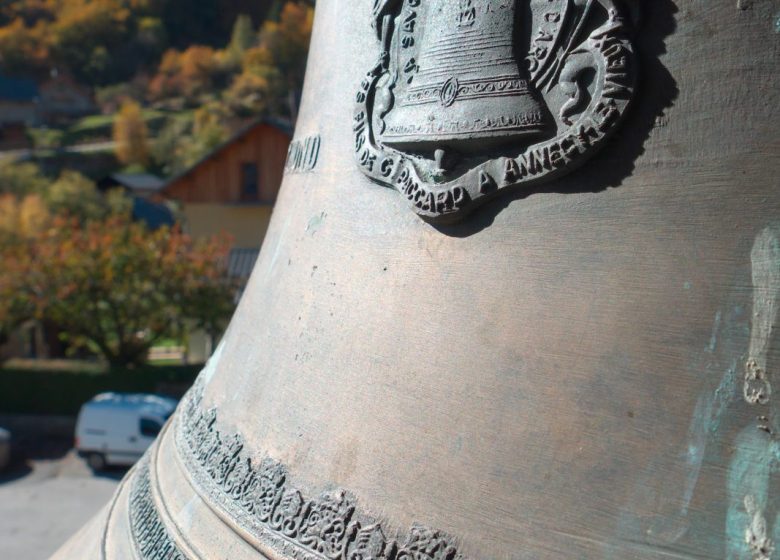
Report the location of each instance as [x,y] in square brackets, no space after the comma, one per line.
[116,428]
[5,448]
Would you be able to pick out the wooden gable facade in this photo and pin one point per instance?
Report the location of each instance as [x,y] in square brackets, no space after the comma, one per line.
[232,190]
[248,169]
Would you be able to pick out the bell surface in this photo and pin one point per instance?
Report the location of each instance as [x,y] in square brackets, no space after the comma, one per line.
[582,368]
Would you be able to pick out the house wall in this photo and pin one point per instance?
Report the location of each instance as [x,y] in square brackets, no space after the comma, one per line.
[18,112]
[218,179]
[14,137]
[62,97]
[211,201]
[246,224]
[32,340]
[65,102]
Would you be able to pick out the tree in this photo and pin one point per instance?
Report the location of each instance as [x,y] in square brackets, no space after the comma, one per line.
[116,287]
[197,71]
[243,37]
[131,135]
[103,42]
[21,219]
[189,75]
[21,179]
[277,63]
[249,93]
[75,195]
[169,145]
[208,131]
[23,49]
[185,141]
[15,305]
[288,39]
[86,34]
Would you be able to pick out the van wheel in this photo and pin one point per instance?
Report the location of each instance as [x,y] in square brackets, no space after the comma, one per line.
[96,461]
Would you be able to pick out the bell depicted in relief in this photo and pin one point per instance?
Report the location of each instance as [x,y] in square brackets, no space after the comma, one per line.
[460,84]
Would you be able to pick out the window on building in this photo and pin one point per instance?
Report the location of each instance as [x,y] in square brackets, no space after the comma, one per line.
[250,182]
[149,427]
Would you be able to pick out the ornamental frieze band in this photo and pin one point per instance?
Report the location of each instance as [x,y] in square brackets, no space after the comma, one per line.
[260,498]
[151,539]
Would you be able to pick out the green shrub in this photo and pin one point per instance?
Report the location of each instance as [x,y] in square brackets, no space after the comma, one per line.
[63,392]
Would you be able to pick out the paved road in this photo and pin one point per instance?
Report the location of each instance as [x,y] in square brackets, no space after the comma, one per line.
[43,503]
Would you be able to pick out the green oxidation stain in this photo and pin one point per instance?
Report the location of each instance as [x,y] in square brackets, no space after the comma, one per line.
[756,460]
[714,336]
[457,445]
[315,223]
[724,395]
[777,23]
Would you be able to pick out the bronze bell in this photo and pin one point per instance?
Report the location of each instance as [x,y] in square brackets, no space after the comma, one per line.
[589,372]
[463,87]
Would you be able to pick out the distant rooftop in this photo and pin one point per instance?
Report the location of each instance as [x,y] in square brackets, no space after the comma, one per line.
[17,89]
[134,400]
[241,262]
[139,181]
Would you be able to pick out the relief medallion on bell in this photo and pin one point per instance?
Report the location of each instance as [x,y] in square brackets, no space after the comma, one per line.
[470,98]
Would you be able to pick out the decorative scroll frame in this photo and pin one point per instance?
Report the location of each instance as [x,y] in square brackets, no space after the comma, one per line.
[556,60]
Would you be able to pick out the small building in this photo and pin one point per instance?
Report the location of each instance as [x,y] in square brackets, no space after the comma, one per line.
[19,100]
[233,190]
[144,190]
[63,99]
[143,185]
[33,340]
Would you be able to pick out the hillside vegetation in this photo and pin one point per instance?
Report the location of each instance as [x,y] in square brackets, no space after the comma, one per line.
[193,71]
[109,41]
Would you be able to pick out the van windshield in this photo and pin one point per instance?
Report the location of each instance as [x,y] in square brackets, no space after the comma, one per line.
[149,427]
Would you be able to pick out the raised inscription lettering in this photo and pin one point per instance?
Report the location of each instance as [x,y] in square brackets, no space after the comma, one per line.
[449,115]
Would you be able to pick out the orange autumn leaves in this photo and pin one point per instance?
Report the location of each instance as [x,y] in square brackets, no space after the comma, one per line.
[256,70]
[109,284]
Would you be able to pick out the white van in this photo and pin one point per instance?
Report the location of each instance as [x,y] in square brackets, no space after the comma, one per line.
[116,429]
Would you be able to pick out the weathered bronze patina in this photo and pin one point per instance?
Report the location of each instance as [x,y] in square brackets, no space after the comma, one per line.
[583,367]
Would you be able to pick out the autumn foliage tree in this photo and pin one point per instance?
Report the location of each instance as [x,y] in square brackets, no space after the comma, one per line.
[273,70]
[133,286]
[187,75]
[256,72]
[243,36]
[23,47]
[87,33]
[104,42]
[115,287]
[21,219]
[75,258]
[131,135]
